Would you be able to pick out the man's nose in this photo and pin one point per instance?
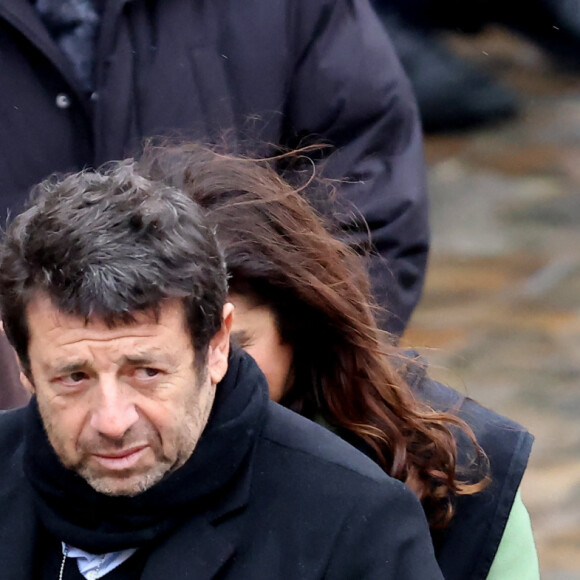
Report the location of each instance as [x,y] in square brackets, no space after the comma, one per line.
[113,411]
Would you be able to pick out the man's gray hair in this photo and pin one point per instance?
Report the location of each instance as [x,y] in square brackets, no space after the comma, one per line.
[108,244]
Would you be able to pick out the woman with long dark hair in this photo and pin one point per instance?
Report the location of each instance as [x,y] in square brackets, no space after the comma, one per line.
[304,312]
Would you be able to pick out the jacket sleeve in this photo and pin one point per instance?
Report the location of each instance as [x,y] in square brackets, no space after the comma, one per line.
[516,555]
[349,91]
[384,537]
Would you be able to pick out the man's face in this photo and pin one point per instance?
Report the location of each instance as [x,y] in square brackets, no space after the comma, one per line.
[122,406]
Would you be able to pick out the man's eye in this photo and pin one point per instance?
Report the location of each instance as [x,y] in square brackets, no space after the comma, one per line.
[145,373]
[76,377]
[242,338]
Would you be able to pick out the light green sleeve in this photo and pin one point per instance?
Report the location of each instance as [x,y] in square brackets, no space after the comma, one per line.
[516,555]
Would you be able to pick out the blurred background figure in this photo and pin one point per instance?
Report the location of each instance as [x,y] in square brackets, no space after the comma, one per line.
[453,93]
[86,81]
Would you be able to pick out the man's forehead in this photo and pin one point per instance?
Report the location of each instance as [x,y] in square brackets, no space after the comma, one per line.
[45,317]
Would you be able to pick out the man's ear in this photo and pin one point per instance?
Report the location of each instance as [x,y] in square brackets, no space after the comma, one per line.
[219,347]
[27,382]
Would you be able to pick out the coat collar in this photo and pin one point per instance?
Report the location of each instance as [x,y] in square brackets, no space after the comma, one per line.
[197,550]
[22,16]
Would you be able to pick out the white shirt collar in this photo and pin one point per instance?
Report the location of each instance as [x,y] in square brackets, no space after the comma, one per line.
[94,566]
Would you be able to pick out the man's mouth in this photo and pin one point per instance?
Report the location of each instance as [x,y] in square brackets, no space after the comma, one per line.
[120,460]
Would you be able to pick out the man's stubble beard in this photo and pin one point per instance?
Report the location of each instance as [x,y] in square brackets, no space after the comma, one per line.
[194,423]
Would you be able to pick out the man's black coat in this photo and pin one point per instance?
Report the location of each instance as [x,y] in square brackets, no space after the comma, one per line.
[262,71]
[305,506]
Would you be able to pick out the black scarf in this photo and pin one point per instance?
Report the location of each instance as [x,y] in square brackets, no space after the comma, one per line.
[75,513]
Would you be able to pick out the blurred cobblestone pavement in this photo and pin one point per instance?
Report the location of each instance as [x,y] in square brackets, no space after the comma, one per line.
[500,317]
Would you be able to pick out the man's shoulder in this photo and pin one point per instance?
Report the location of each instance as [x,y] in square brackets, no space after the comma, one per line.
[302,441]
[319,486]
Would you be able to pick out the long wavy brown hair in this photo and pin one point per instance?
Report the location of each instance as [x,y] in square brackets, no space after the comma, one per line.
[346,371]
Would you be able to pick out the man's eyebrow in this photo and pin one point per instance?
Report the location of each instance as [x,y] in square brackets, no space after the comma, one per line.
[71,367]
[146,359]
